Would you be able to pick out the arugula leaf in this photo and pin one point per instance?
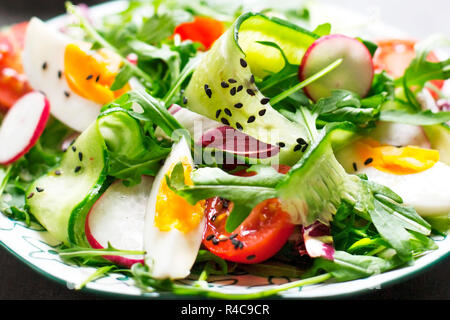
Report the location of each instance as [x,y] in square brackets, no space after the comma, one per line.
[155,112]
[132,153]
[382,82]
[420,70]
[323,29]
[371,46]
[157,28]
[148,53]
[344,105]
[392,231]
[422,118]
[346,267]
[245,193]
[122,78]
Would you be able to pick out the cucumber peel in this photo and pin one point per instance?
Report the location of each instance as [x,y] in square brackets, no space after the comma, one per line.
[59,198]
[222,86]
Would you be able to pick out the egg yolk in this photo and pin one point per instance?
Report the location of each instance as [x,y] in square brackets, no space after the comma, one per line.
[173,211]
[90,74]
[396,160]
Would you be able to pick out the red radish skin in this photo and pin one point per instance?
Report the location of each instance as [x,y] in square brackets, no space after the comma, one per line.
[24,123]
[354,74]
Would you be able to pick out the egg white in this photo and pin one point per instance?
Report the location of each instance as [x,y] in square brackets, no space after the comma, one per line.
[428,192]
[170,254]
[43,63]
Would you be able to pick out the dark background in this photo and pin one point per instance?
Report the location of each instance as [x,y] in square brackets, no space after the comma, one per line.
[19,281]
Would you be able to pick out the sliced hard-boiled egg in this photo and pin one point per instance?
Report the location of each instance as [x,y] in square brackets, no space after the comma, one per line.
[414,173]
[75,79]
[173,227]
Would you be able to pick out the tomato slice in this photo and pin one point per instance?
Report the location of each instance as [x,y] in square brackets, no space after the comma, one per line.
[13,83]
[204,30]
[395,55]
[258,238]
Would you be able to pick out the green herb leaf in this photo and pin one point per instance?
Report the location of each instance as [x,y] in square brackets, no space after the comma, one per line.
[211,182]
[346,267]
[422,118]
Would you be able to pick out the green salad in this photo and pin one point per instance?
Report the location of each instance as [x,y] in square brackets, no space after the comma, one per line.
[179,141]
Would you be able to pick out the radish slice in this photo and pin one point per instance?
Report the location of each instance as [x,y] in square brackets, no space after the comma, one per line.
[22,126]
[354,74]
[118,218]
[233,141]
[213,134]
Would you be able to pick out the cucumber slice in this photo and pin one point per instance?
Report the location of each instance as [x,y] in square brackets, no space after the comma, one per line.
[60,200]
[222,87]
[439,136]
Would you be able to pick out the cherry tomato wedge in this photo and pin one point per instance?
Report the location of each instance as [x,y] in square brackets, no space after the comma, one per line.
[13,83]
[202,29]
[257,239]
[395,55]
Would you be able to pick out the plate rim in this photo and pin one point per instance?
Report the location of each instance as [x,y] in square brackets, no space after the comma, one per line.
[116,5]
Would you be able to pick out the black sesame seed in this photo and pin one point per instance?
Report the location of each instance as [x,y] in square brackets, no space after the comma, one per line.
[354,166]
[218,113]
[225,121]
[185,100]
[234,241]
[77,169]
[208,91]
[74,148]
[241,245]
[224,84]
[252,79]
[251,257]
[214,217]
[250,92]
[209,237]
[231,80]
[368,161]
[59,74]
[44,66]
[89,77]
[262,112]
[281,144]
[67,94]
[30,195]
[38,189]
[297,147]
[233,91]
[228,112]
[238,105]
[251,119]
[215,241]
[58,172]
[304,147]
[239,88]
[80,156]
[225,203]
[97,79]
[239,126]
[301,141]
[243,63]
[265,100]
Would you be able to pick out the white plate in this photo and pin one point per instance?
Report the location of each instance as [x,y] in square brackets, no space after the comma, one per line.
[36,247]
